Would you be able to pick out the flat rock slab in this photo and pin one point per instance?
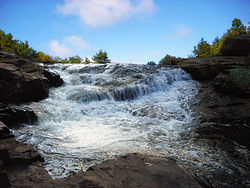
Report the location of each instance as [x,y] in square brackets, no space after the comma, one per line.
[136,170]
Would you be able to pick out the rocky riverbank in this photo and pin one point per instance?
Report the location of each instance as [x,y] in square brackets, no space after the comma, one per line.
[22,81]
[222,116]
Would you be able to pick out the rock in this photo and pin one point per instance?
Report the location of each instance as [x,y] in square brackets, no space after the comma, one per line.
[236,46]
[4,131]
[136,170]
[234,82]
[20,86]
[4,180]
[4,154]
[54,79]
[22,80]
[20,153]
[14,115]
[206,69]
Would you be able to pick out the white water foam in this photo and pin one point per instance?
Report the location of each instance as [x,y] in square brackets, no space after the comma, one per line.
[104,111]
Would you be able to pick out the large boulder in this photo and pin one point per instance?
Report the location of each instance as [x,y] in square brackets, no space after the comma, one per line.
[22,80]
[14,115]
[54,79]
[4,131]
[136,170]
[236,46]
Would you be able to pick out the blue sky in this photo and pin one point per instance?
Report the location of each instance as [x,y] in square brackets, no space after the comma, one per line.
[131,31]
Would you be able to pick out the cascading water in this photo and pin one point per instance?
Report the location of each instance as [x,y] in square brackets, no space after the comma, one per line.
[107,110]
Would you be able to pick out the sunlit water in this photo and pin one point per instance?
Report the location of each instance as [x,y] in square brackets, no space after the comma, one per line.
[103,111]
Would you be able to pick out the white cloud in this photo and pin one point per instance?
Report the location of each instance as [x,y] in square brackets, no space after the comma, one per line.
[71,45]
[77,42]
[58,49]
[97,13]
[181,31]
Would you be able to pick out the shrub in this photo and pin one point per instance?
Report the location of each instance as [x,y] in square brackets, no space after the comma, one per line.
[168,59]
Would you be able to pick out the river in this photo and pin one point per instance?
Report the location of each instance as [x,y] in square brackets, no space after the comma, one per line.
[103,111]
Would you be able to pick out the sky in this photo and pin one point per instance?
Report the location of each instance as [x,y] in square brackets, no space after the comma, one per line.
[130,31]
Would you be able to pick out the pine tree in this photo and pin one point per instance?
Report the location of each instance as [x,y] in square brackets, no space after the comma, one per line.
[101,57]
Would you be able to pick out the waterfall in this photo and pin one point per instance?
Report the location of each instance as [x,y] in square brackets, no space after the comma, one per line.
[103,111]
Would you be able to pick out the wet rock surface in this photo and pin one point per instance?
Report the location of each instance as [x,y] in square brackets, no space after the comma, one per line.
[223,114]
[13,115]
[223,119]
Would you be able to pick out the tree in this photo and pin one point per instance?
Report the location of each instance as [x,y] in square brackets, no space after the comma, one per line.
[87,61]
[101,57]
[237,28]
[151,63]
[202,49]
[75,59]
[168,59]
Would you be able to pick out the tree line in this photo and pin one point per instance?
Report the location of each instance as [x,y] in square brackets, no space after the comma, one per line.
[204,49]
[7,43]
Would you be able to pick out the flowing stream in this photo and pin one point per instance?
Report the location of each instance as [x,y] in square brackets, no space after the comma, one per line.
[103,111]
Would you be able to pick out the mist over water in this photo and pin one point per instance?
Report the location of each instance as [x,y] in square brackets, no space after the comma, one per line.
[107,110]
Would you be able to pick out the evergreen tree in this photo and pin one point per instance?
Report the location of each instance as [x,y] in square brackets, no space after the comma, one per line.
[202,49]
[168,59]
[237,28]
[101,57]
[151,63]
[87,61]
[75,59]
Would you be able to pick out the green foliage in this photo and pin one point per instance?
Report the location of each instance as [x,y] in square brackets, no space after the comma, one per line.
[87,61]
[64,61]
[75,59]
[168,59]
[44,57]
[202,49]
[216,46]
[7,43]
[151,63]
[240,75]
[237,28]
[101,57]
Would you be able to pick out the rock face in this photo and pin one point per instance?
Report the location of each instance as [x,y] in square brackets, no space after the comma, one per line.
[136,170]
[224,95]
[236,46]
[4,131]
[234,82]
[14,115]
[21,80]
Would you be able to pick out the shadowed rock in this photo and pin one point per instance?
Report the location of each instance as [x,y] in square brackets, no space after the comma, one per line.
[236,46]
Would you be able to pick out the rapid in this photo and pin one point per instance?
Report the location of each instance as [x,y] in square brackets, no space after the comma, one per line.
[103,111]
